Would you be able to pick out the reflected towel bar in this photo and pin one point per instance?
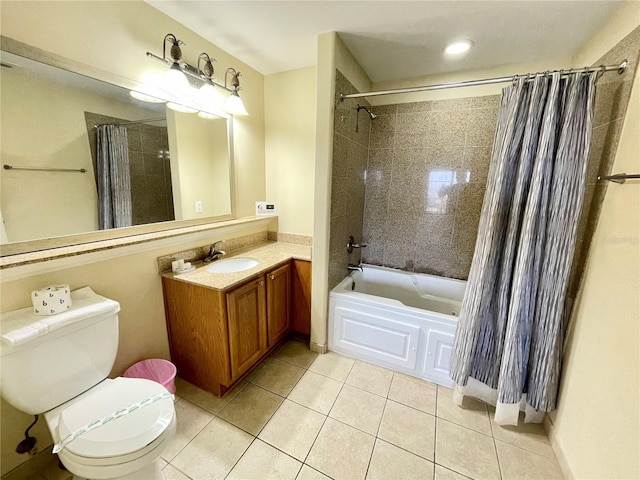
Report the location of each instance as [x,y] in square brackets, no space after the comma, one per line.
[619,177]
[43,169]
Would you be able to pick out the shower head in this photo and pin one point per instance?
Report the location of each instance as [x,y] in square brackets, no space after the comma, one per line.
[372,115]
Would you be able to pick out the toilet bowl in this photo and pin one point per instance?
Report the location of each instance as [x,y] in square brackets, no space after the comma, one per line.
[122,446]
[102,428]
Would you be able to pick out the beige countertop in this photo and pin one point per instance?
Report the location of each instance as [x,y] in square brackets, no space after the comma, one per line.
[268,256]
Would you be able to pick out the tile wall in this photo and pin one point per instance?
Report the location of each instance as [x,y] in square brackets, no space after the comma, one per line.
[426,177]
[350,153]
[151,192]
[612,98]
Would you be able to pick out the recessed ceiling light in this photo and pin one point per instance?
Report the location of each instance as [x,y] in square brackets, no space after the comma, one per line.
[457,48]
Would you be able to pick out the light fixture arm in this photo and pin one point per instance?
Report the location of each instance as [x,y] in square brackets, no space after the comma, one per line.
[207,72]
[235,80]
[175,52]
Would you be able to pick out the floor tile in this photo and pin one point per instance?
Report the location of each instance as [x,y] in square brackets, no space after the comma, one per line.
[297,353]
[519,464]
[390,462]
[308,473]
[466,451]
[262,461]
[251,409]
[442,473]
[278,377]
[360,409]
[257,368]
[341,451]
[472,414]
[413,392]
[408,428]
[293,429]
[189,421]
[530,436]
[332,365]
[371,378]
[205,400]
[172,473]
[316,392]
[214,451]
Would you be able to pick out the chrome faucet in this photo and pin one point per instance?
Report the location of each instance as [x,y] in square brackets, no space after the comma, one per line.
[354,268]
[214,254]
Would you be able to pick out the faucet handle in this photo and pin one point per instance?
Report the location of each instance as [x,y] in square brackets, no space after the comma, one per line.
[215,245]
[351,245]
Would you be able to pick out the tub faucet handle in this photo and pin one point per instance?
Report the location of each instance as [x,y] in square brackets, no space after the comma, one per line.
[351,245]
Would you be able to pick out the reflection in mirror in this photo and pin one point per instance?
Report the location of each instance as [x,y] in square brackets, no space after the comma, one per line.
[177,166]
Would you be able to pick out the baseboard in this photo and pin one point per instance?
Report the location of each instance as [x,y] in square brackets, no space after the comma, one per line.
[315,347]
[557,448]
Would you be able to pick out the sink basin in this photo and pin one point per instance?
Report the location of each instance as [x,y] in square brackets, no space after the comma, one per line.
[232,265]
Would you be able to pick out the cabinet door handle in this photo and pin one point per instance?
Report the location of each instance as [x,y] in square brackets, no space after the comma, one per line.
[261,282]
[272,276]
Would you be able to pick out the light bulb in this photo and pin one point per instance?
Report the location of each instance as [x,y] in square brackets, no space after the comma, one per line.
[210,97]
[207,116]
[234,106]
[174,81]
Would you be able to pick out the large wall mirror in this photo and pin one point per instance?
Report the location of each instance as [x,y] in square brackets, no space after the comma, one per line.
[180,166]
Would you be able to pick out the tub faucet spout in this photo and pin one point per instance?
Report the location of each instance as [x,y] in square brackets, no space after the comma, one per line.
[354,268]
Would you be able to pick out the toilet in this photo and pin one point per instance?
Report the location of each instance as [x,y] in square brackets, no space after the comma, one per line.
[58,366]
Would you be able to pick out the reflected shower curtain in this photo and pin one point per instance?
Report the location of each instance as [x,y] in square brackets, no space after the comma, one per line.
[114,185]
[509,341]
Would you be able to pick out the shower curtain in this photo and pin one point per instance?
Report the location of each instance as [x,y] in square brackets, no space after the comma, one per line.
[114,186]
[509,341]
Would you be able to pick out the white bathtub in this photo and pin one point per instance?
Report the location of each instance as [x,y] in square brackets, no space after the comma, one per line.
[395,319]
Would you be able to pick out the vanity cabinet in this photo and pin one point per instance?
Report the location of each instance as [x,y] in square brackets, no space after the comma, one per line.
[216,336]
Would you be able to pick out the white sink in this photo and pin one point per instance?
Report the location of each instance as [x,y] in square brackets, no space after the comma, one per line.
[232,265]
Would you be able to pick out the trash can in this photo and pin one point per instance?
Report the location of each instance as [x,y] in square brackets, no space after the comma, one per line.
[156,369]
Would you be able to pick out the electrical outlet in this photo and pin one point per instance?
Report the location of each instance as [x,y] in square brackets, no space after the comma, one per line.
[198,206]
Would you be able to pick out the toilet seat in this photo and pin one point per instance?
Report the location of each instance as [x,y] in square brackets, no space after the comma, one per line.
[125,438]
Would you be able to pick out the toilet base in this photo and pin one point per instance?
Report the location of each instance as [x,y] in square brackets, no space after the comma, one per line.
[150,472]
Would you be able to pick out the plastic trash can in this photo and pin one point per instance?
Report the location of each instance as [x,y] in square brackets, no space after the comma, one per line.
[156,369]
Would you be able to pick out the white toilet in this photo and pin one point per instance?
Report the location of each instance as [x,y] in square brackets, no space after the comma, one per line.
[59,367]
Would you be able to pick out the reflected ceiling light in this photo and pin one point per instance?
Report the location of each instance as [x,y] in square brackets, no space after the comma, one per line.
[210,96]
[181,108]
[456,48]
[143,97]
[207,116]
[234,105]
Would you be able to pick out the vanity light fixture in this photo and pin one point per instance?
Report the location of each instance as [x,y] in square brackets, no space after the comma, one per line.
[233,105]
[456,48]
[209,95]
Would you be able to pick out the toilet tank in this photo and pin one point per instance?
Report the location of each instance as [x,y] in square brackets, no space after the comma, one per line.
[46,361]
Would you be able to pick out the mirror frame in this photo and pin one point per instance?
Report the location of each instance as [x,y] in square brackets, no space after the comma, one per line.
[15,248]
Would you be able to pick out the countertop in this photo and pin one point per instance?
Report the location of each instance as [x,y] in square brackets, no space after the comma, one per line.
[268,255]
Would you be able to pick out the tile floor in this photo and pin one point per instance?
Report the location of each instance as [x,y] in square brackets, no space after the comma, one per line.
[304,416]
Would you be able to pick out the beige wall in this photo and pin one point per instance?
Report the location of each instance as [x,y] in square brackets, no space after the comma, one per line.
[596,428]
[199,166]
[114,36]
[43,125]
[290,134]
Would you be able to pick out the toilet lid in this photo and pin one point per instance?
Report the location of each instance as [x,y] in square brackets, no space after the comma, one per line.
[123,435]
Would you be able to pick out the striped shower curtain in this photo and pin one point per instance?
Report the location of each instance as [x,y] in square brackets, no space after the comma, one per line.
[509,341]
[114,185]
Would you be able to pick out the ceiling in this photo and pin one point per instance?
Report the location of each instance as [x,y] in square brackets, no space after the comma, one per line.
[394,40]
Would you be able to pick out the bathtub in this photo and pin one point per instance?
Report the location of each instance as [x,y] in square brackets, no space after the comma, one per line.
[398,320]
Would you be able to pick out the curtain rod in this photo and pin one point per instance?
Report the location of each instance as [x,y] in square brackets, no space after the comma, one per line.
[133,122]
[620,68]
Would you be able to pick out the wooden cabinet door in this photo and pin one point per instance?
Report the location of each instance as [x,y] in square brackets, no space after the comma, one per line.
[301,297]
[247,325]
[278,301]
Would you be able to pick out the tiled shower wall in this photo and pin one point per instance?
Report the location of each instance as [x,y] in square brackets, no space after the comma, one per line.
[426,177]
[350,152]
[612,99]
[149,167]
